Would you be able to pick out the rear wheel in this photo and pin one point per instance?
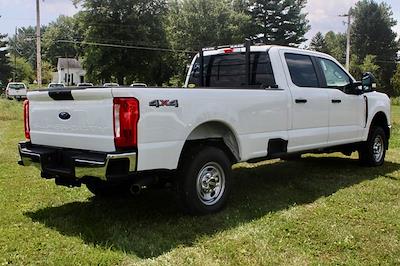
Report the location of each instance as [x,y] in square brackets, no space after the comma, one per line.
[373,151]
[204,180]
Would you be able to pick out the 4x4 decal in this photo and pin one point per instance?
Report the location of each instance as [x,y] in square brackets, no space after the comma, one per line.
[164,103]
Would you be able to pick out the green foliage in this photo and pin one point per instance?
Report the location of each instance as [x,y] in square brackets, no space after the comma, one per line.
[318,43]
[372,34]
[279,22]
[396,101]
[137,23]
[193,24]
[396,81]
[23,44]
[64,28]
[47,72]
[336,45]
[5,69]
[175,82]
[24,71]
[355,66]
[369,65]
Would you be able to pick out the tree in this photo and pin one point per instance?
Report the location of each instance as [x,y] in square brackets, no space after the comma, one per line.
[396,81]
[372,34]
[193,24]
[318,43]
[336,45]
[128,23]
[64,28]
[23,45]
[279,22]
[5,69]
[369,65]
[24,71]
[47,72]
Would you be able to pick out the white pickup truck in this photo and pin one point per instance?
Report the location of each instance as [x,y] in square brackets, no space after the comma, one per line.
[239,104]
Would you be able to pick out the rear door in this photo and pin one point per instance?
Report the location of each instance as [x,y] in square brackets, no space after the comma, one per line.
[309,103]
[77,119]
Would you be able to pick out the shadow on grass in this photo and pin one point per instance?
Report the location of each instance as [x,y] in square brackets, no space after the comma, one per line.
[151,224]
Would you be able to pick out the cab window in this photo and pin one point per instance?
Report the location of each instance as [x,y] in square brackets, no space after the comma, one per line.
[229,70]
[334,75]
[302,71]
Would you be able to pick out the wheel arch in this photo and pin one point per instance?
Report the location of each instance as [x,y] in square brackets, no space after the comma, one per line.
[215,133]
[380,119]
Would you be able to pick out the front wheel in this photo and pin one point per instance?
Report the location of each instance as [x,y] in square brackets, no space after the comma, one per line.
[204,180]
[373,151]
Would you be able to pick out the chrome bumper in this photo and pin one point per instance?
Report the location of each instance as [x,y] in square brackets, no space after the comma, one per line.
[81,166]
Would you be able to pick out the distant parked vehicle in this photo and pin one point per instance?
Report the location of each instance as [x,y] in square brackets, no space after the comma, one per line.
[16,90]
[139,85]
[56,85]
[111,85]
[85,85]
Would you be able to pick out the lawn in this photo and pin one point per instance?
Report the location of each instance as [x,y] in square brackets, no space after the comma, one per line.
[320,210]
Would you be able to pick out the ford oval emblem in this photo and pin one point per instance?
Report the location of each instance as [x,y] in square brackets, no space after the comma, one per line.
[64,116]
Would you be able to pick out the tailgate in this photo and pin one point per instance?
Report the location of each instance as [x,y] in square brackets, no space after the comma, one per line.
[14,92]
[76,119]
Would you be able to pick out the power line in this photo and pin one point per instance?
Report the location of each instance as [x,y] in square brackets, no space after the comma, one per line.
[127,46]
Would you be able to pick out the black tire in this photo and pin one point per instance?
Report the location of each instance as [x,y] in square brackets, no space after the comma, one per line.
[104,189]
[372,152]
[199,164]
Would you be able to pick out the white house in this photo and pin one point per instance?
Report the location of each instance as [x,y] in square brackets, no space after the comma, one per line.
[69,72]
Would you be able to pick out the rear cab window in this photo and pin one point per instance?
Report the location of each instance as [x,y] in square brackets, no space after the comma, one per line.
[16,86]
[229,70]
[302,70]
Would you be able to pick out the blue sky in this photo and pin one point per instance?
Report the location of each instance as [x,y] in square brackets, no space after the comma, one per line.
[323,14]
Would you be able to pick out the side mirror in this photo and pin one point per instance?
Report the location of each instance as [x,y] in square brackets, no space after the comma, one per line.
[368,82]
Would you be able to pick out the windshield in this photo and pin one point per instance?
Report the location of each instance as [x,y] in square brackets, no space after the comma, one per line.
[16,86]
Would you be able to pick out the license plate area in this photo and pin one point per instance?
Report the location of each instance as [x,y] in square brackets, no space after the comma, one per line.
[58,162]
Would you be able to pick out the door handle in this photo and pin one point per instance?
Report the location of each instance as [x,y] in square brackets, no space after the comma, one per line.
[301,101]
[336,101]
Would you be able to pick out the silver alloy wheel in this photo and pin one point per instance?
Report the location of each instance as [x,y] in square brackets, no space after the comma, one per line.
[210,183]
[378,148]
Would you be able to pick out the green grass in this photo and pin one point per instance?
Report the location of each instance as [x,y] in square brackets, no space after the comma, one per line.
[320,210]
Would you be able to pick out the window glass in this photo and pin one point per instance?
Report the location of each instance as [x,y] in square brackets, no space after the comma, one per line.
[334,75]
[302,70]
[229,70]
[16,86]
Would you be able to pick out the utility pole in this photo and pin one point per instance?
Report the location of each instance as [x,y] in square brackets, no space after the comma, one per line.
[348,15]
[38,46]
[15,55]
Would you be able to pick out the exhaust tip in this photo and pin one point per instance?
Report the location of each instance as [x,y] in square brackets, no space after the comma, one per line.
[135,189]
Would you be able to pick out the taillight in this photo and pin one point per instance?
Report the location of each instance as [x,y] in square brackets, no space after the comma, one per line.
[228,50]
[126,117]
[26,120]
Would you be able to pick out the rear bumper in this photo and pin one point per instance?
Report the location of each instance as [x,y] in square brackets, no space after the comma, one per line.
[17,96]
[77,164]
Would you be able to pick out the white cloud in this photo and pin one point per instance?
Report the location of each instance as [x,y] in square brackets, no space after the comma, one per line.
[324,15]
[64,7]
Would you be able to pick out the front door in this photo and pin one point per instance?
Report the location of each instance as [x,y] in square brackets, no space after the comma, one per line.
[346,110]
